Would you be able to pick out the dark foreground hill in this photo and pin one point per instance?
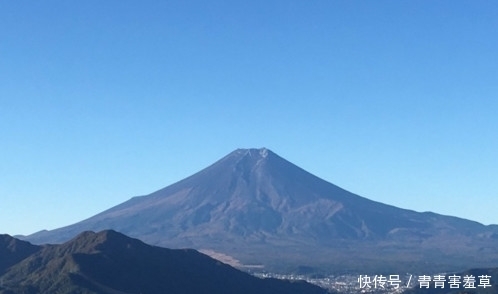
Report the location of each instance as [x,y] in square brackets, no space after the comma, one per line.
[260,209]
[13,251]
[111,263]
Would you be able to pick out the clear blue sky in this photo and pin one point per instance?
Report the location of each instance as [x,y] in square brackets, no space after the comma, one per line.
[100,101]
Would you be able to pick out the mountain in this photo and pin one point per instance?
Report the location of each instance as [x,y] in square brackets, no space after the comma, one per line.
[13,250]
[110,263]
[254,208]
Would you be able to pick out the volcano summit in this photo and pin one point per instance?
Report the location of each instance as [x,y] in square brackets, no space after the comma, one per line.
[259,209]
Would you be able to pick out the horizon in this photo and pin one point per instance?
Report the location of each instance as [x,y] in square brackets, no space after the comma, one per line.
[101,102]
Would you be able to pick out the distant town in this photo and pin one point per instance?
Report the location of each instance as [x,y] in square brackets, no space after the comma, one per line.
[345,283]
[349,284]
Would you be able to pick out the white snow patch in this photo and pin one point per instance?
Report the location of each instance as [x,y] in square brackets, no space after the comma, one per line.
[263,152]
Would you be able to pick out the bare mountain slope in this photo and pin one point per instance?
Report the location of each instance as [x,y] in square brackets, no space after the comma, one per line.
[261,209]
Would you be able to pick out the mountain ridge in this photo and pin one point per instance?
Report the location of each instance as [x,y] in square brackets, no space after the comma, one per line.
[108,262]
[13,250]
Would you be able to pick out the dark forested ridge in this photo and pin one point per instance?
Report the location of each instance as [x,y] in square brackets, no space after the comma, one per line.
[13,250]
[109,263]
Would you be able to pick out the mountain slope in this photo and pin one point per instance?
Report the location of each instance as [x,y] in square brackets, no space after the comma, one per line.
[13,250]
[261,209]
[109,262]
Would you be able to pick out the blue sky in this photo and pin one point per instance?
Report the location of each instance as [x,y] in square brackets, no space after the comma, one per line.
[100,101]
